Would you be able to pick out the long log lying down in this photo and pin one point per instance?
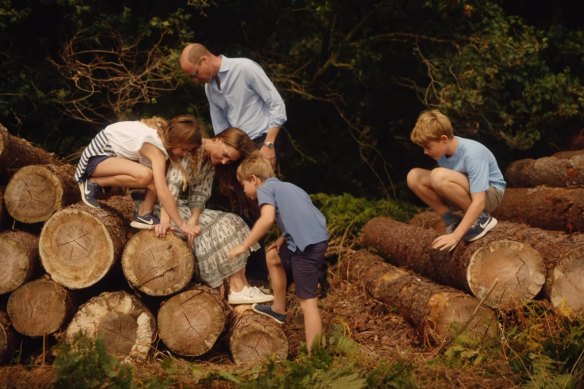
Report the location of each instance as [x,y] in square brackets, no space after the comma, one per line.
[16,152]
[563,255]
[254,338]
[8,338]
[79,245]
[548,208]
[513,271]
[19,252]
[122,320]
[190,322]
[39,307]
[157,266]
[563,170]
[438,312]
[35,192]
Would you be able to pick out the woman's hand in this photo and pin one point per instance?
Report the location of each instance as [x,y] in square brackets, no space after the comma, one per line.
[191,231]
[236,251]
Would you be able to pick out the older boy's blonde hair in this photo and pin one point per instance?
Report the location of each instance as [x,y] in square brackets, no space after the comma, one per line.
[255,165]
[430,126]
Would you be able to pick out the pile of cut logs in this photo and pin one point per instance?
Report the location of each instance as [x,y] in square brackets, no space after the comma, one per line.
[67,268]
[535,251]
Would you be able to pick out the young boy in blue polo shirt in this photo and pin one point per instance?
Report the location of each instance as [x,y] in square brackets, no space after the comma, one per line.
[298,255]
[467,178]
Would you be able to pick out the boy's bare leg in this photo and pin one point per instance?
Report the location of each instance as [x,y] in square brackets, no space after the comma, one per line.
[432,186]
[420,183]
[312,321]
[278,280]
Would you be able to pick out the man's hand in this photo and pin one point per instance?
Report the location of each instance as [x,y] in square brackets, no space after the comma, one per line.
[236,251]
[269,154]
[445,242]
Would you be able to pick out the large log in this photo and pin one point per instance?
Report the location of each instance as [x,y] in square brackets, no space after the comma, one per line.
[544,207]
[254,338]
[35,192]
[512,271]
[18,259]
[8,338]
[564,170]
[157,266]
[563,255]
[40,307]
[79,245]
[122,320]
[190,322]
[437,312]
[16,152]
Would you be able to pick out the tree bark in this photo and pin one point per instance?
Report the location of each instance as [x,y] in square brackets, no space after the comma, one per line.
[254,338]
[513,271]
[35,192]
[548,208]
[39,307]
[190,322]
[563,255]
[8,338]
[564,170]
[79,245]
[437,312]
[122,320]
[157,266]
[19,252]
[16,152]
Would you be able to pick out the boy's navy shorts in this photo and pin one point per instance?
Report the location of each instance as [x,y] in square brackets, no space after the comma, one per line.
[305,268]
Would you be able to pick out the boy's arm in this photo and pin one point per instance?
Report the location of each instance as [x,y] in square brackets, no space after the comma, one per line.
[259,229]
[477,205]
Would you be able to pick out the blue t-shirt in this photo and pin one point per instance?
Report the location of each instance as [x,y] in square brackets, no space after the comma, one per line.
[477,162]
[302,224]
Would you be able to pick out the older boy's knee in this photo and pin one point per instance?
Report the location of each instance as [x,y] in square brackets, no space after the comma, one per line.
[414,177]
[439,177]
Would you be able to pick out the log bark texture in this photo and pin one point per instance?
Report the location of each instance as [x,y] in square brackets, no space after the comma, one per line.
[544,207]
[19,260]
[79,245]
[437,312]
[563,255]
[157,266]
[40,307]
[508,271]
[8,338]
[16,152]
[190,322]
[564,170]
[35,192]
[122,320]
[254,338]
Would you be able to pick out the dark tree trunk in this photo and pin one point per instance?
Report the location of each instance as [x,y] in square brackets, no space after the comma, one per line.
[512,271]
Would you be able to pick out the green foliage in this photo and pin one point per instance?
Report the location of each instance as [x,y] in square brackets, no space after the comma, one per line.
[85,364]
[398,375]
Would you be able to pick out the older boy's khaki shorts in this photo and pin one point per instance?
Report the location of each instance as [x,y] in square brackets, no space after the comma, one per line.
[493,198]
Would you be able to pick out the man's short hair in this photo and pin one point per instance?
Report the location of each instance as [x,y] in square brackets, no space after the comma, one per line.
[430,126]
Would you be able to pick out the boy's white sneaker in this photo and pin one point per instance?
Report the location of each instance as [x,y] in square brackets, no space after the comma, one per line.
[249,295]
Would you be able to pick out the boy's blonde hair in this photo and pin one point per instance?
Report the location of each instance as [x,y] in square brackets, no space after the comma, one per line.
[255,165]
[430,126]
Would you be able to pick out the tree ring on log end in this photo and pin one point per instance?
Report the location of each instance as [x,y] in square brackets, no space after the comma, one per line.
[157,266]
[32,194]
[567,289]
[76,248]
[514,271]
[18,252]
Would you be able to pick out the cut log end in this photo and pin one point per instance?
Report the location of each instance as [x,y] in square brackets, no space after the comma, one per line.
[157,266]
[18,259]
[506,273]
[567,291]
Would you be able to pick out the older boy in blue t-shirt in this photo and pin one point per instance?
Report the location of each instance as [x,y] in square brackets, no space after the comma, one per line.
[298,254]
[468,177]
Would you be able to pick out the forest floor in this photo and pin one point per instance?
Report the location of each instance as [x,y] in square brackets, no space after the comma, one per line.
[382,335]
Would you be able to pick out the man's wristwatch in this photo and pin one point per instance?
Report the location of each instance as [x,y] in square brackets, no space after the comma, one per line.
[269,145]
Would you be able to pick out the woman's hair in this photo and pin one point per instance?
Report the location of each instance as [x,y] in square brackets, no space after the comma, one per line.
[225,174]
[430,126]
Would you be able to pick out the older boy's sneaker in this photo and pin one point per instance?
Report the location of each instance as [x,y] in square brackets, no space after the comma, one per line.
[249,295]
[481,226]
[89,191]
[144,222]
[451,221]
[266,310]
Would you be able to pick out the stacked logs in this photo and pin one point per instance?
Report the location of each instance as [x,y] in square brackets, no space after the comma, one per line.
[71,269]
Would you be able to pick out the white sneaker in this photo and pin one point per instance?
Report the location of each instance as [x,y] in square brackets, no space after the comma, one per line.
[249,295]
